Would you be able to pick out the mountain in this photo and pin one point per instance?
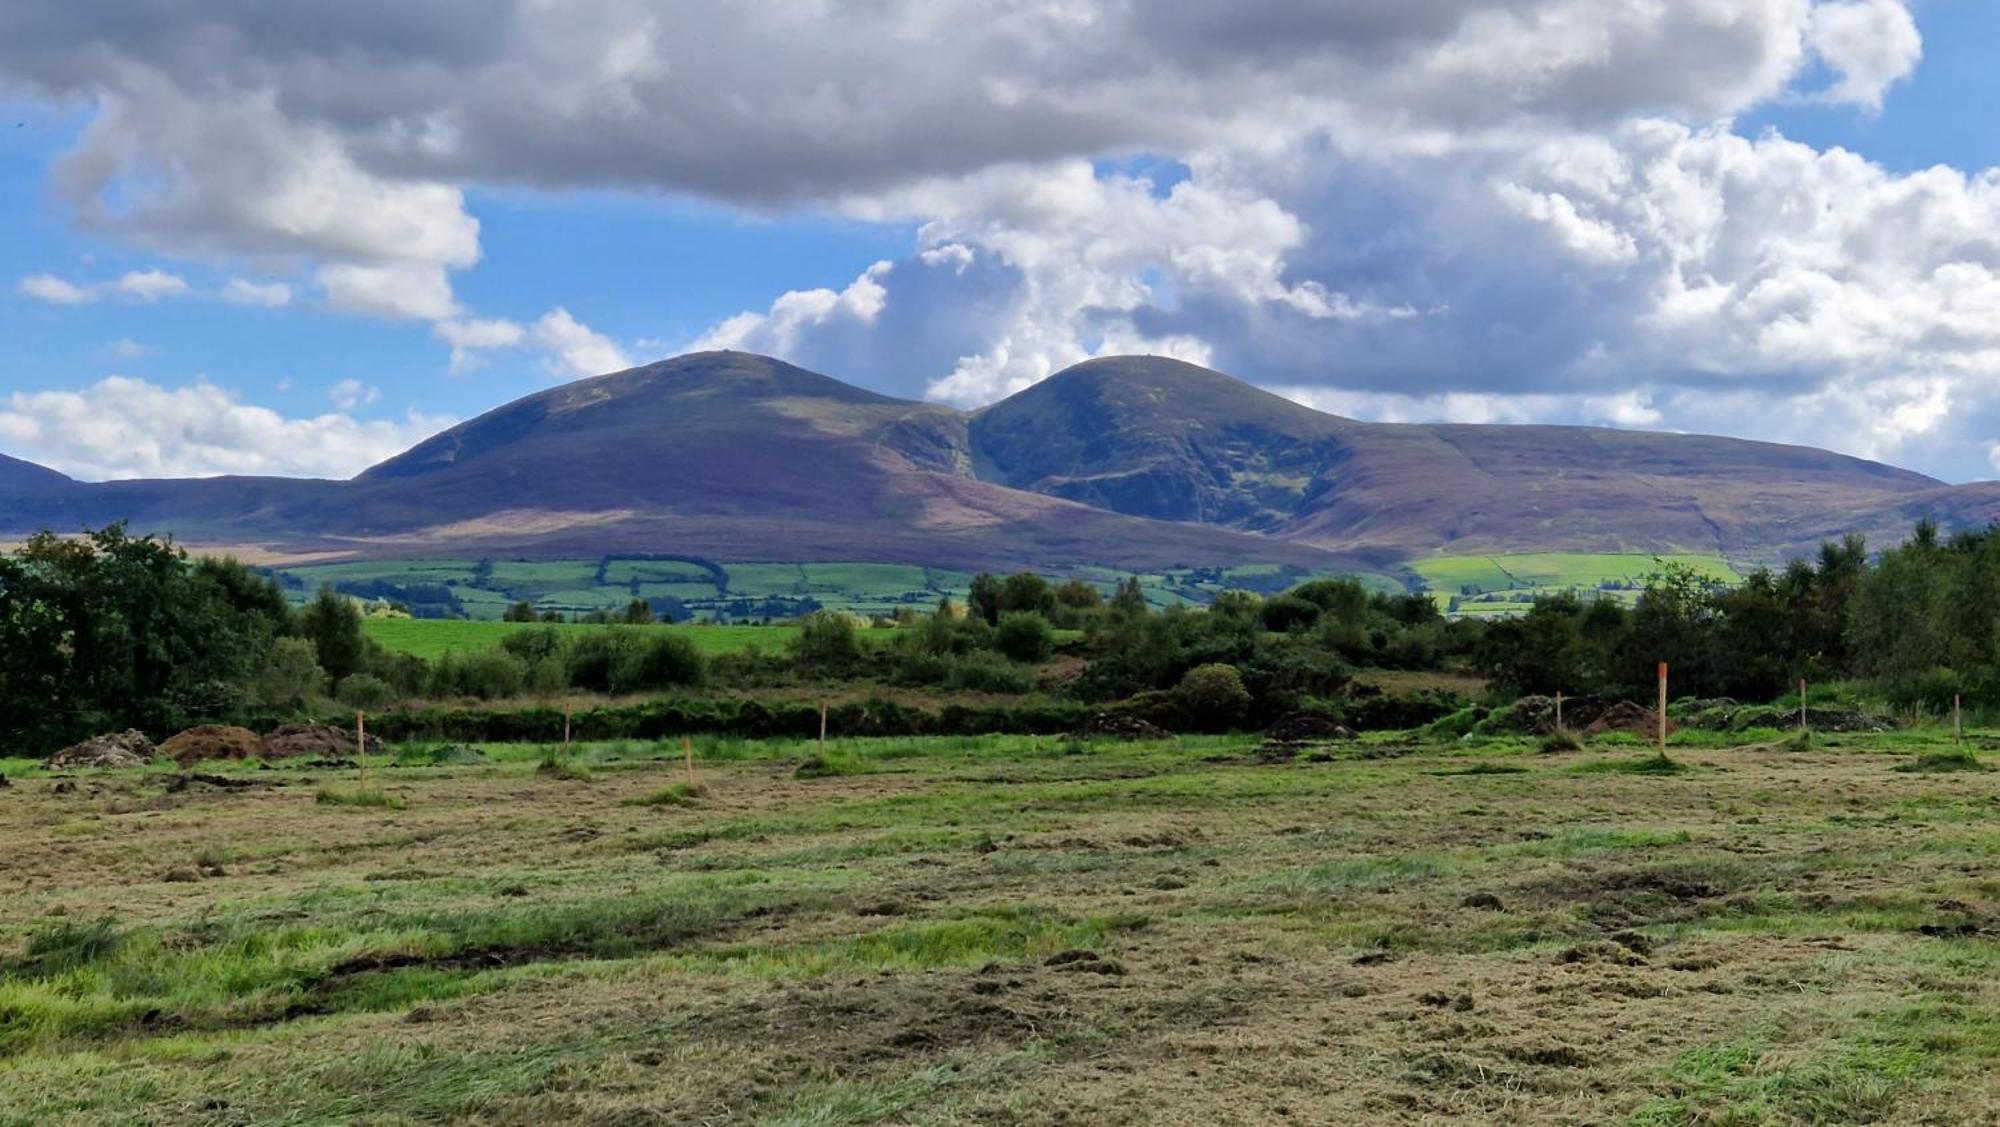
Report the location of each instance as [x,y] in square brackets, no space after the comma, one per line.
[1131,462]
[1159,438]
[721,454]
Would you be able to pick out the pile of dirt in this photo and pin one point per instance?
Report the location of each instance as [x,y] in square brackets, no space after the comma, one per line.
[129,748]
[212,741]
[1724,715]
[1119,726]
[1305,727]
[315,741]
[1536,716]
[1626,717]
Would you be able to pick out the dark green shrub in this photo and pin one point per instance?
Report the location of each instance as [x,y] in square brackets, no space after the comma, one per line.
[826,643]
[988,673]
[1024,636]
[1212,697]
[657,661]
[364,691]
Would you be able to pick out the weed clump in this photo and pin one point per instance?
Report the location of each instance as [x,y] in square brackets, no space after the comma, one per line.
[67,946]
[556,764]
[679,794]
[357,796]
[1942,762]
[1560,741]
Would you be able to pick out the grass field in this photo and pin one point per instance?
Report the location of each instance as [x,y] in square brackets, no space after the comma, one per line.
[1499,585]
[431,638]
[1011,930]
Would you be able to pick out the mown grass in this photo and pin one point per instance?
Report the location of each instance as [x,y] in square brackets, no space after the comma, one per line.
[978,928]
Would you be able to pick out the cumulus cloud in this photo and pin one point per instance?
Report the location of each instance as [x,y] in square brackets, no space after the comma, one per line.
[1870,45]
[1491,209]
[139,285]
[122,428]
[574,348]
[48,287]
[351,393]
[270,295]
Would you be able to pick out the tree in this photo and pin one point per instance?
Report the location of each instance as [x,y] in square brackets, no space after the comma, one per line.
[1077,603]
[1026,591]
[1288,613]
[291,674]
[638,612]
[826,643]
[982,599]
[1024,636]
[332,623]
[1213,697]
[109,630]
[364,691]
[523,611]
[1128,602]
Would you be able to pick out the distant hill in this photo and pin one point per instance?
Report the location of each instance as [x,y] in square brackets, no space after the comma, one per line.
[1155,437]
[1128,462]
[722,454]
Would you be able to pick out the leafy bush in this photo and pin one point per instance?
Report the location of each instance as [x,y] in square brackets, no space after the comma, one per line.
[657,661]
[826,643]
[988,673]
[487,675]
[1025,636]
[1213,697]
[1288,614]
[291,674]
[364,691]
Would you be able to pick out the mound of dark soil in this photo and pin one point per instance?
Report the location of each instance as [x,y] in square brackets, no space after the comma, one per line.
[212,741]
[315,741]
[1536,715]
[1627,717]
[1119,726]
[129,748]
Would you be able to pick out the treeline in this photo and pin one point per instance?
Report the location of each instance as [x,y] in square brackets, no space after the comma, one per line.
[109,631]
[1919,624]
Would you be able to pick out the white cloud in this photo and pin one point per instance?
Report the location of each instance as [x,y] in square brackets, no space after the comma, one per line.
[271,295]
[404,289]
[470,337]
[350,393]
[1869,44]
[122,428]
[574,348]
[151,285]
[48,287]
[125,348]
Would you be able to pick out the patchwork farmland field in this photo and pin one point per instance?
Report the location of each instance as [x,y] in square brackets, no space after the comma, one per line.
[1012,930]
[1490,585]
[483,590]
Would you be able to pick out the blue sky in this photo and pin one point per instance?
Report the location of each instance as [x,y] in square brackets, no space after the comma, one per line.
[1521,211]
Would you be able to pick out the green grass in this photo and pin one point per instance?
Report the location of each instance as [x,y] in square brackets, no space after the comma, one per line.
[371,796]
[974,929]
[1943,762]
[1505,584]
[431,638]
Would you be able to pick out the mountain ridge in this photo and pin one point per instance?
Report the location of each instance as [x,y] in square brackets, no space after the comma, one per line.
[1119,461]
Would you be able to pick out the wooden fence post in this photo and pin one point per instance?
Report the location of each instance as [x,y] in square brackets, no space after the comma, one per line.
[1559,710]
[1663,709]
[567,706]
[822,726]
[361,746]
[1957,720]
[1802,704]
[687,749]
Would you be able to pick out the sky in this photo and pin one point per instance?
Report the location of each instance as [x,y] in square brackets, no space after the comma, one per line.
[295,238]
